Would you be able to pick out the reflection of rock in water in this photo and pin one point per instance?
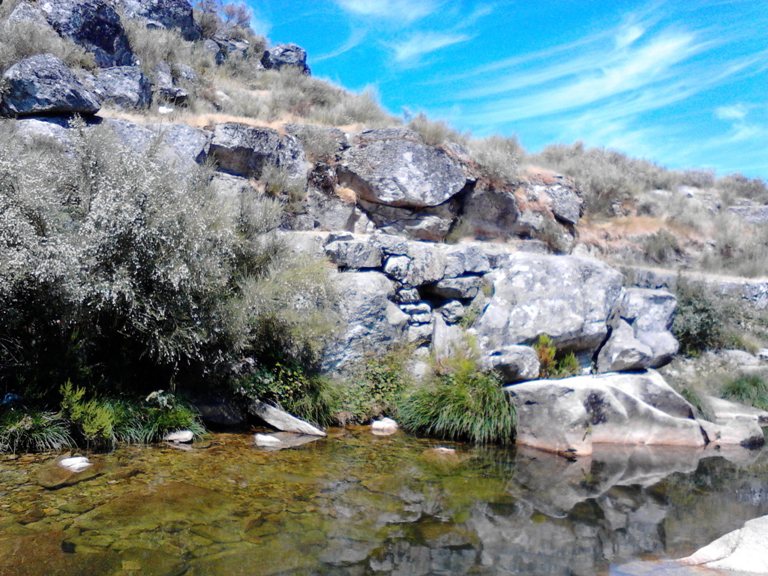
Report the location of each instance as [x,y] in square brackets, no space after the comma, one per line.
[576,516]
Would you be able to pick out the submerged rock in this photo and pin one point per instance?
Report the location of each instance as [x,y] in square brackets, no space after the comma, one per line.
[67,472]
[283,440]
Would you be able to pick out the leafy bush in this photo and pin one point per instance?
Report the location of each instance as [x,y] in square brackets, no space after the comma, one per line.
[498,157]
[375,390]
[700,321]
[435,133]
[739,186]
[606,177]
[118,273]
[749,389]
[661,247]
[33,431]
[553,364]
[105,422]
[462,403]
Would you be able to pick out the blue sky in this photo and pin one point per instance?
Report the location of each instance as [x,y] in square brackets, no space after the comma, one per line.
[682,83]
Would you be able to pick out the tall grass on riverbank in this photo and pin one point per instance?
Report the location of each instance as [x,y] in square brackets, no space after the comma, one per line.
[461,403]
[749,389]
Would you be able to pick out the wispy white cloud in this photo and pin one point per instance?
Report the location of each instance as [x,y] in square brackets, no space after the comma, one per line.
[732,112]
[355,39]
[422,43]
[399,10]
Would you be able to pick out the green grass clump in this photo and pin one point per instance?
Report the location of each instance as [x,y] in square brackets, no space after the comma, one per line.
[463,403]
[34,431]
[748,389]
[376,389]
[553,364]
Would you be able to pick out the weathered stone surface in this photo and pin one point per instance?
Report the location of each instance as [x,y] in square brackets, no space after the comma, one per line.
[419,264]
[245,151]
[753,214]
[94,25]
[432,224]
[282,420]
[178,144]
[43,84]
[741,551]
[514,363]
[370,321]
[724,410]
[326,142]
[641,336]
[734,432]
[572,414]
[466,258]
[568,298]
[400,172]
[565,202]
[25,12]
[51,130]
[623,351]
[463,288]
[354,253]
[285,55]
[447,340]
[168,14]
[452,311]
[489,214]
[166,88]
[123,86]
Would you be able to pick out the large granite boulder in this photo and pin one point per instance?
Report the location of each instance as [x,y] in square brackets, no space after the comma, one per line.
[177,144]
[123,86]
[165,86]
[94,25]
[245,151]
[43,84]
[286,55]
[26,13]
[513,363]
[742,551]
[572,414]
[169,14]
[641,335]
[394,167]
[371,322]
[568,298]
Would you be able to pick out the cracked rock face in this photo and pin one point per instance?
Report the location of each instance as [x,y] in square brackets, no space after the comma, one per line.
[569,299]
[94,25]
[401,172]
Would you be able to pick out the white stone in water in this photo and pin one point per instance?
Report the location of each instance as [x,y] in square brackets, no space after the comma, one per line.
[384,427]
[267,440]
[75,464]
[180,436]
[741,551]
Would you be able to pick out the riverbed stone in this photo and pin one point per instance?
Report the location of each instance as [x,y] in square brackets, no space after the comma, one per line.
[632,409]
[283,421]
[55,475]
